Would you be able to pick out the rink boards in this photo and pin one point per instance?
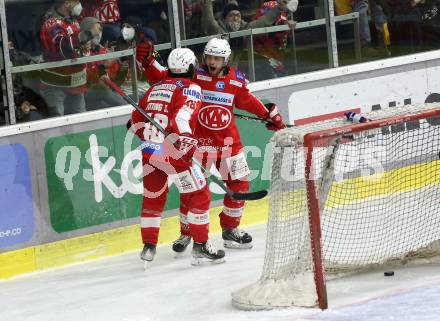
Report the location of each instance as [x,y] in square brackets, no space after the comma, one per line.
[62,204]
[72,193]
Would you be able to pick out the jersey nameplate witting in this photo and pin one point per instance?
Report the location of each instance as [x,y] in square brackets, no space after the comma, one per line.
[162,95]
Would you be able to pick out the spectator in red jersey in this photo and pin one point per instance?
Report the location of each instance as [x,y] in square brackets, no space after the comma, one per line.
[273,46]
[63,87]
[106,11]
[99,95]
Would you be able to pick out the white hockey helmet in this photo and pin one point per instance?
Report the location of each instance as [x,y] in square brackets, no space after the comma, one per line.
[180,60]
[219,48]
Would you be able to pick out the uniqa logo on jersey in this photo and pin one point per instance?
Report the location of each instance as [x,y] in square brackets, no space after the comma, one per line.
[215,117]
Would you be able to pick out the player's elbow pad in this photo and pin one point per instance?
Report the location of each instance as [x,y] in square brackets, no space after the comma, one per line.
[182,120]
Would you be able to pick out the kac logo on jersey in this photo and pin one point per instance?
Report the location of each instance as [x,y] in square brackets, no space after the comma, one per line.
[220,85]
[215,117]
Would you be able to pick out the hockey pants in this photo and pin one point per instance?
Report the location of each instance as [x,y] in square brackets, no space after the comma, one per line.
[232,211]
[194,198]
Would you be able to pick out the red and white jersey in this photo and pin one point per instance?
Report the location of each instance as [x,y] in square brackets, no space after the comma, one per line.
[106,11]
[93,67]
[59,39]
[59,36]
[217,132]
[274,44]
[173,103]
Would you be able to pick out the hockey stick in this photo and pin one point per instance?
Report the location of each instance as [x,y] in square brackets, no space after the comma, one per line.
[237,196]
[260,120]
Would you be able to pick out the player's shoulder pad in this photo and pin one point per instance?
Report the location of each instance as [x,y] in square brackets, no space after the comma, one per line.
[179,83]
[202,70]
[202,73]
[193,92]
[237,77]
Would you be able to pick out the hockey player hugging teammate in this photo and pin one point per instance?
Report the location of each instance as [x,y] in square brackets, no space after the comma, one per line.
[173,103]
[223,88]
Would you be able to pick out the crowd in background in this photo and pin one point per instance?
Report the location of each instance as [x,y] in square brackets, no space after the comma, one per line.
[65,29]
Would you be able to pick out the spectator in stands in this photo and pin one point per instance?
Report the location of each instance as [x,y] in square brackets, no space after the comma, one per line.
[153,14]
[106,11]
[63,87]
[29,105]
[133,34]
[362,8]
[98,95]
[193,17]
[272,47]
[231,20]
[380,21]
[405,23]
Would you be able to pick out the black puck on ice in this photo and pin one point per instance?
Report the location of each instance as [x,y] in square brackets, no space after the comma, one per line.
[388,273]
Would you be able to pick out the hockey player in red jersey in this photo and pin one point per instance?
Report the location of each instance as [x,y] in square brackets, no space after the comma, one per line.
[173,103]
[223,88]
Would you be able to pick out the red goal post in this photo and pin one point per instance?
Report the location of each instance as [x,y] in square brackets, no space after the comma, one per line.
[313,204]
[324,210]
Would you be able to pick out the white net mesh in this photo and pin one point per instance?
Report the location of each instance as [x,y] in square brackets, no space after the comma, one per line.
[378,195]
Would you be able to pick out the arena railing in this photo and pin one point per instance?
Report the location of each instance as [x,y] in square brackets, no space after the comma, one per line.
[130,53]
[353,17]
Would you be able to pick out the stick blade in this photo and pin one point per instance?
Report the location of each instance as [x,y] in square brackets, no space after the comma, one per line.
[249,196]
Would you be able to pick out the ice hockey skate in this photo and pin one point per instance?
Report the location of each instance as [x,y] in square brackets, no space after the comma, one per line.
[235,238]
[180,245]
[206,252]
[148,253]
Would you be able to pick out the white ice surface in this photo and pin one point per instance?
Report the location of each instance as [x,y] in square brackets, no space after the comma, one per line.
[118,289]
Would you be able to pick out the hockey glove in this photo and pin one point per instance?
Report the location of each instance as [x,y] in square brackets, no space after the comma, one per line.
[184,148]
[144,51]
[275,120]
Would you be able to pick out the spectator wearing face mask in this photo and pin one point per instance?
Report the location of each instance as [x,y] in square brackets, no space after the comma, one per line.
[63,87]
[134,32]
[133,35]
[99,95]
[231,20]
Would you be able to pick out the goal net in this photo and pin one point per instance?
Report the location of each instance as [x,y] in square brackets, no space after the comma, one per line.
[346,198]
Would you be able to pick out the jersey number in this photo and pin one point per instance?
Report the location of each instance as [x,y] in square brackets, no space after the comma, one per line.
[151,133]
